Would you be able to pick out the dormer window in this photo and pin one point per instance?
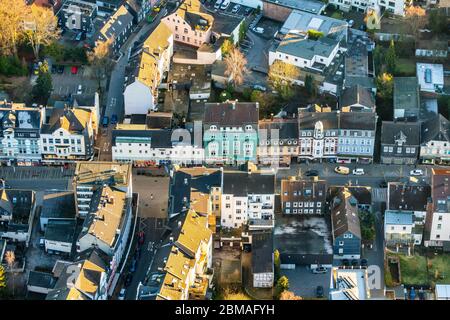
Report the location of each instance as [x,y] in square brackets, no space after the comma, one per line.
[213,128]
[248,128]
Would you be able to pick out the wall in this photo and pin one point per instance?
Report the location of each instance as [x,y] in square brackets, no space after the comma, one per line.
[138,98]
[275,12]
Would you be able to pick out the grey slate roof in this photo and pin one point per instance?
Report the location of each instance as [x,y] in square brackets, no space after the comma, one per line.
[390,131]
[242,183]
[232,113]
[60,230]
[299,46]
[287,129]
[408,197]
[41,279]
[312,6]
[406,94]
[344,215]
[159,138]
[59,205]
[357,95]
[435,129]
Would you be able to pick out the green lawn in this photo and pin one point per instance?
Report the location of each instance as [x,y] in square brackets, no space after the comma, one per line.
[406,67]
[440,266]
[413,269]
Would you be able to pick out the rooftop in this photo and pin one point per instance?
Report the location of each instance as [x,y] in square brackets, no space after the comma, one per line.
[303,5]
[74,120]
[303,47]
[349,284]
[408,197]
[302,22]
[262,252]
[430,76]
[17,204]
[117,23]
[231,113]
[60,230]
[398,217]
[344,214]
[58,205]
[242,184]
[406,97]
[94,172]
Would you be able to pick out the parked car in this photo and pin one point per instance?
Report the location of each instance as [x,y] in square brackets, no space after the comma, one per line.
[141,237]
[133,265]
[247,11]
[383,184]
[41,242]
[345,262]
[358,172]
[350,23]
[319,292]
[416,172]
[74,70]
[236,8]
[54,68]
[259,88]
[128,279]
[122,294]
[105,121]
[60,69]
[355,263]
[114,119]
[225,4]
[258,30]
[80,89]
[311,173]
[319,270]
[342,170]
[363,262]
[217,5]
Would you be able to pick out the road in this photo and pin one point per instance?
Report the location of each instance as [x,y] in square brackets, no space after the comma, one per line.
[115,100]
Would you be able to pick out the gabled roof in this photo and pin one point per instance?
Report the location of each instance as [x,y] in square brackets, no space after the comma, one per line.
[303,47]
[72,120]
[394,130]
[344,215]
[287,129]
[242,184]
[357,95]
[436,128]
[232,113]
[117,23]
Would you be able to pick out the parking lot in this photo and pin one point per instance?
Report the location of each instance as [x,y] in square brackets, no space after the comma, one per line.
[304,283]
[242,10]
[67,82]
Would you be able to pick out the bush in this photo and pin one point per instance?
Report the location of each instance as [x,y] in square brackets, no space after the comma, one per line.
[12,66]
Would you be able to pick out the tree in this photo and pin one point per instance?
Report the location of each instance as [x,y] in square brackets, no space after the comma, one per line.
[314,34]
[41,28]
[267,103]
[226,47]
[100,60]
[12,15]
[415,16]
[10,258]
[277,263]
[310,86]
[437,21]
[391,58]
[282,76]
[42,89]
[236,68]
[385,88]
[242,31]
[281,285]
[289,295]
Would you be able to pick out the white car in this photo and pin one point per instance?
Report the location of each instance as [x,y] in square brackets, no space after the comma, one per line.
[342,170]
[416,172]
[258,30]
[358,172]
[80,89]
[122,294]
[236,8]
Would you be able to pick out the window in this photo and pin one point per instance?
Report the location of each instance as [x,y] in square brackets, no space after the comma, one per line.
[341,243]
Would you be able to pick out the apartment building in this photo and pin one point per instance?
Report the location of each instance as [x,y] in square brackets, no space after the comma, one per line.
[435,141]
[67,134]
[19,133]
[396,7]
[230,132]
[77,15]
[147,63]
[303,196]
[248,198]
[400,142]
[437,227]
[189,24]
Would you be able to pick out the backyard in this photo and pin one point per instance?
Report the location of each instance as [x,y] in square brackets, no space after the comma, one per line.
[423,270]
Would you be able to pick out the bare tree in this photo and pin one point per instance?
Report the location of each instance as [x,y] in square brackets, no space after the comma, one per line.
[100,59]
[10,258]
[12,14]
[235,66]
[41,28]
[416,18]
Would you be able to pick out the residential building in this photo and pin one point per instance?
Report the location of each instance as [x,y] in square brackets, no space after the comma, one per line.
[280,10]
[117,29]
[248,198]
[362,194]
[187,272]
[17,210]
[337,136]
[400,142]
[349,284]
[19,134]
[159,146]
[398,228]
[278,141]
[357,99]
[84,279]
[107,8]
[67,135]
[189,25]
[396,7]
[430,77]
[139,9]
[227,27]
[59,236]
[77,15]
[437,226]
[305,196]
[432,49]
[230,132]
[146,67]
[345,224]
[57,206]
[104,200]
[409,197]
[262,259]
[406,98]
[435,142]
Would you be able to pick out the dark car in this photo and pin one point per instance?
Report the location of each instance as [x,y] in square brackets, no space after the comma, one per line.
[60,69]
[319,270]
[141,237]
[319,292]
[355,262]
[54,68]
[345,262]
[248,11]
[114,119]
[383,184]
[128,280]
[133,265]
[312,173]
[363,262]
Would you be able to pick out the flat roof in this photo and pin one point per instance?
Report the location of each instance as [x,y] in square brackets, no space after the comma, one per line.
[303,5]
[96,171]
[398,217]
[429,76]
[349,284]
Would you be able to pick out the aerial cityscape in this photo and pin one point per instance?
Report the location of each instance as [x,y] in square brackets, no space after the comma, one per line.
[225,150]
